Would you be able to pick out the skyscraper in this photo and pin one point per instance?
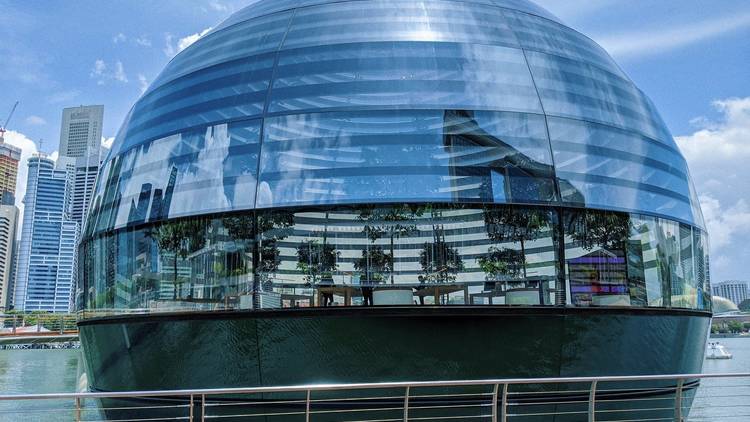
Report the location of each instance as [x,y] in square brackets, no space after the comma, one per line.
[8,219]
[81,131]
[9,157]
[46,256]
[81,153]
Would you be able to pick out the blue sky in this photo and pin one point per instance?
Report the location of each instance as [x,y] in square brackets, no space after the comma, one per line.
[692,57]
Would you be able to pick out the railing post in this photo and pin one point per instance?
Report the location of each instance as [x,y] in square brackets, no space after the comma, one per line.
[307,407]
[192,405]
[592,402]
[203,408]
[494,402]
[406,404]
[504,404]
[678,401]
[15,320]
[62,324]
[78,409]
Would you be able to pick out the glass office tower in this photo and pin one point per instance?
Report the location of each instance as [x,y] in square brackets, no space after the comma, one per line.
[472,168]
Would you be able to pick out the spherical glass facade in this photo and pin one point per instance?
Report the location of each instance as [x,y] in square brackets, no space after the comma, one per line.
[380,152]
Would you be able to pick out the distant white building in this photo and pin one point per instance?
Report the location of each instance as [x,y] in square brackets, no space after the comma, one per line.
[81,131]
[81,154]
[734,290]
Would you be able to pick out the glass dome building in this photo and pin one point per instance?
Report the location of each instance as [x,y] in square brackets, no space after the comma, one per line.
[426,189]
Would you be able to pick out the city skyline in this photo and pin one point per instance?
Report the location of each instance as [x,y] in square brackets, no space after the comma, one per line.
[706,113]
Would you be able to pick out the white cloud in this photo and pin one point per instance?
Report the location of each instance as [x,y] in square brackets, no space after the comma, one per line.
[171,48]
[119,74]
[119,38]
[218,6]
[640,42]
[142,41]
[102,73]
[35,121]
[185,42]
[143,82]
[107,142]
[574,9]
[718,154]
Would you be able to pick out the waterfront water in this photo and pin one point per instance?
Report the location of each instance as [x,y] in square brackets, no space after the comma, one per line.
[56,371]
[37,371]
[728,393]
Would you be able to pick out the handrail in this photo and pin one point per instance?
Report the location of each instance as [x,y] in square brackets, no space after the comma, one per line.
[485,399]
[368,386]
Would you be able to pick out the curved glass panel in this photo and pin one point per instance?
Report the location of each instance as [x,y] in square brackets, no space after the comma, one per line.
[204,170]
[613,168]
[570,88]
[388,20]
[261,35]
[456,155]
[403,75]
[535,33]
[268,7]
[384,152]
[409,254]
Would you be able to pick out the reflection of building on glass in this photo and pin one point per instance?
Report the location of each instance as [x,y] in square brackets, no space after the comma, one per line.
[486,167]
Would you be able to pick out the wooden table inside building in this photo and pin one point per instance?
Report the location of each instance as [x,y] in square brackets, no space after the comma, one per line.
[338,290]
[437,290]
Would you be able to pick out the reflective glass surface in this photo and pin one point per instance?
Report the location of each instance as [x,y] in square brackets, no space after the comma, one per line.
[408,254]
[478,114]
[456,155]
[403,75]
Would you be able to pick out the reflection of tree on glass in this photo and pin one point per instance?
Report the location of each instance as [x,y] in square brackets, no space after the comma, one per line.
[515,225]
[440,263]
[315,260]
[395,222]
[596,229]
[180,238]
[501,264]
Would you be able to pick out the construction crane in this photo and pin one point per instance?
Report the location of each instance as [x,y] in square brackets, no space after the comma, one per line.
[3,128]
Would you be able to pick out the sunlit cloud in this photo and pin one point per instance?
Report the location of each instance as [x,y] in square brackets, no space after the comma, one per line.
[641,43]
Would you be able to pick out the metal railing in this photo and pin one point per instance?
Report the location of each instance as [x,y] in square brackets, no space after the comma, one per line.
[37,324]
[691,397]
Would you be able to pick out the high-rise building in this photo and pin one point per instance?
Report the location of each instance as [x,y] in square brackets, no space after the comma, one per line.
[83,171]
[9,157]
[81,153]
[8,219]
[47,251]
[734,290]
[81,131]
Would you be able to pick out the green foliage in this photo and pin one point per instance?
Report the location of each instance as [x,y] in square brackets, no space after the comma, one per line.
[594,229]
[395,221]
[515,225]
[440,263]
[314,259]
[180,237]
[734,327]
[744,306]
[501,262]
[374,263]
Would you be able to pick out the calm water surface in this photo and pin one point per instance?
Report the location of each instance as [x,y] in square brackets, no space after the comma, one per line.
[56,371]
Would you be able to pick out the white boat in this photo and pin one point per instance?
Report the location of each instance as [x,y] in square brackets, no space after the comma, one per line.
[717,351]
